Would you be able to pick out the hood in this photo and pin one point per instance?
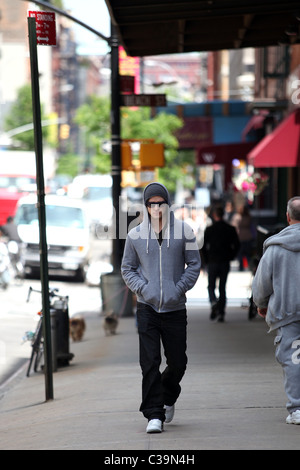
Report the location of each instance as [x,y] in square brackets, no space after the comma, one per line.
[156,189]
[288,238]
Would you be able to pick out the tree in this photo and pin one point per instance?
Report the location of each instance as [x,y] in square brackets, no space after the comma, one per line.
[19,115]
[138,124]
[94,118]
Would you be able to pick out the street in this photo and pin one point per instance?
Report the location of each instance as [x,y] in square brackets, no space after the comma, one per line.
[17,316]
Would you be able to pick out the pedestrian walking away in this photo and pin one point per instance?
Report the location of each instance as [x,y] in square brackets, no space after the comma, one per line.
[276,294]
[161,262]
[242,221]
[221,245]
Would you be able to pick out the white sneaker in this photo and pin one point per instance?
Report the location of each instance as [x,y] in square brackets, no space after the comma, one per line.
[154,426]
[169,411]
[293,418]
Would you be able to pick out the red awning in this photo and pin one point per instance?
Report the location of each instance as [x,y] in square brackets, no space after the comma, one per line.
[281,148]
[223,154]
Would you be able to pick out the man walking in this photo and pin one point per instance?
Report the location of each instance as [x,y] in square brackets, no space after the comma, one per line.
[276,293]
[221,245]
[161,263]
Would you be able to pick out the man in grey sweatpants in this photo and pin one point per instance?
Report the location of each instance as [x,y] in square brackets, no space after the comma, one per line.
[161,263]
[276,292]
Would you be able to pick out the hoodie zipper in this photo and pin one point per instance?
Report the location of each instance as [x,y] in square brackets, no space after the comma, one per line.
[160,278]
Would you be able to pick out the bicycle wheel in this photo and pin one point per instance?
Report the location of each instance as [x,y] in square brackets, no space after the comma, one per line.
[36,344]
[39,355]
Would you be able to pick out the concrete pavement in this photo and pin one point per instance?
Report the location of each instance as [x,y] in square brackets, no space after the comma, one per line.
[232,394]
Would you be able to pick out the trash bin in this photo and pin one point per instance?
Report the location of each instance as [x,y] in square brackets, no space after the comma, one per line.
[116,296]
[62,333]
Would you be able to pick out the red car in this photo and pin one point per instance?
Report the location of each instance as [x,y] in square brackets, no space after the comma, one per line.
[12,188]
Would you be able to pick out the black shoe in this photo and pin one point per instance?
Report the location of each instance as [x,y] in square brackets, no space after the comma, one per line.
[221,319]
[214,311]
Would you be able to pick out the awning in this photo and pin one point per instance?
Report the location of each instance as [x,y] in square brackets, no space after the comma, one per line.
[176,26]
[281,148]
[223,154]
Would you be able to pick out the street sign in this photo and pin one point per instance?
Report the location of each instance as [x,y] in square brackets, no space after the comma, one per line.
[127,83]
[45,27]
[143,100]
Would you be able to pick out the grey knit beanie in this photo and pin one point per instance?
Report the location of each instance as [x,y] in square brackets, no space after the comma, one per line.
[155,189]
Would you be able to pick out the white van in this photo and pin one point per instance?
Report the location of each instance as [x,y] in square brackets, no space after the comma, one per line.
[96,193]
[67,232]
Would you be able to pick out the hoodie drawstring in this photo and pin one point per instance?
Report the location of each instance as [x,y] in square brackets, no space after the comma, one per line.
[149,234]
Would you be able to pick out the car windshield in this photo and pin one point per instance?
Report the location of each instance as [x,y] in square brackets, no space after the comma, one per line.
[96,193]
[56,216]
[18,182]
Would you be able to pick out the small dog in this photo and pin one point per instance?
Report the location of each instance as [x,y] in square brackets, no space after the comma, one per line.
[110,323]
[77,328]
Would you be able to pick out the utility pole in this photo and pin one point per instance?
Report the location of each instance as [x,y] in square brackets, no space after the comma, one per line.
[116,174]
[38,138]
[115,120]
[116,145]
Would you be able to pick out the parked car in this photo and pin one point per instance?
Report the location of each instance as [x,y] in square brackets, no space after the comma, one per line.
[67,232]
[96,194]
[12,188]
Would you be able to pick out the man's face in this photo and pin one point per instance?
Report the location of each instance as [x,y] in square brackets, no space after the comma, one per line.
[155,209]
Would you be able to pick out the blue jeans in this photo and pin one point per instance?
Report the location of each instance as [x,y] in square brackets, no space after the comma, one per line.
[159,389]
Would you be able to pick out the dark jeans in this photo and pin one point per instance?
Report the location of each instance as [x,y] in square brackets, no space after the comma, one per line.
[245,252]
[159,389]
[218,271]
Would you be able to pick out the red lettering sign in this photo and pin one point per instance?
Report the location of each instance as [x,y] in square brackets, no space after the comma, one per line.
[45,27]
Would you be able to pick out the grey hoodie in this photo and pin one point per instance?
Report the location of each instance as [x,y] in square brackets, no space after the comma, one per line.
[276,284]
[160,275]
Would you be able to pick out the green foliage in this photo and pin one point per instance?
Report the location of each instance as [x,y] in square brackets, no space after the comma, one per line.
[19,115]
[94,119]
[138,124]
[68,164]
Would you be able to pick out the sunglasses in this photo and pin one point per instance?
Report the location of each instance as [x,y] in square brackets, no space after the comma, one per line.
[159,204]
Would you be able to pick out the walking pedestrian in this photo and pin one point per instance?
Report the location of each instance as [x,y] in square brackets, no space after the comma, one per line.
[242,221]
[276,293]
[160,264]
[221,245]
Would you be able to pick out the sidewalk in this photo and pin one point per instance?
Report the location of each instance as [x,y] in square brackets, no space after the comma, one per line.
[232,393]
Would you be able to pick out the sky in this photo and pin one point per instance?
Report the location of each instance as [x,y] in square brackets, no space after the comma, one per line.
[95,14]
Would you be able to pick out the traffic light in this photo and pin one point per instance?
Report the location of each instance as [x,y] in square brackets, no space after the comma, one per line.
[126,156]
[152,155]
[148,156]
[64,131]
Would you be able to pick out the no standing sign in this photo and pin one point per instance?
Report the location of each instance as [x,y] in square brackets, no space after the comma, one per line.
[45,27]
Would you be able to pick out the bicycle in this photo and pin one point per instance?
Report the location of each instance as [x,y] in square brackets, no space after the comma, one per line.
[36,338]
